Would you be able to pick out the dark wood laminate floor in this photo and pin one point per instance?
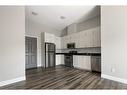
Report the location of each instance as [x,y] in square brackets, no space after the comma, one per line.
[64,78]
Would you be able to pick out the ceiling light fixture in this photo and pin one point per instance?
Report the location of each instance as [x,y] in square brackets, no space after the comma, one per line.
[34,13]
[62,17]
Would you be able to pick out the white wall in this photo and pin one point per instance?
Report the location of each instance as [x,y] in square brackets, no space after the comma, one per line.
[71,29]
[114,42]
[12,44]
[34,30]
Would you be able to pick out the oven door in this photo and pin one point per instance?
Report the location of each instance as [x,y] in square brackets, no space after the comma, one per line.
[68,60]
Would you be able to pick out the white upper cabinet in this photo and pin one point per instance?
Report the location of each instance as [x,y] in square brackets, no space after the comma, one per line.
[86,38]
[97,37]
[49,38]
[74,39]
[63,42]
[78,40]
[89,38]
[57,42]
[83,39]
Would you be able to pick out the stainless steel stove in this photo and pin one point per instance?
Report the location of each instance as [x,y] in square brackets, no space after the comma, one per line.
[69,58]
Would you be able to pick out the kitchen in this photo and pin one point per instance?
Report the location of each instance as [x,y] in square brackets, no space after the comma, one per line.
[78,49]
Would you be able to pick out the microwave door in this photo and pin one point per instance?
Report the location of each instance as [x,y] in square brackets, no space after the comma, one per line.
[71,45]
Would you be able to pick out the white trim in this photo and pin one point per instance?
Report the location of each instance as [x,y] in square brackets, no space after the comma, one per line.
[114,78]
[2,83]
[31,36]
[82,69]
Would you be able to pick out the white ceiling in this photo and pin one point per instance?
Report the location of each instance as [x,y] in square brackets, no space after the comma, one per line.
[50,15]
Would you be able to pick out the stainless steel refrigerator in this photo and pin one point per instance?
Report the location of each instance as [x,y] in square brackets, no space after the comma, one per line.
[49,55]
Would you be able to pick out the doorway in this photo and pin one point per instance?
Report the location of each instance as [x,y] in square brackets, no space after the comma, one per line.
[30,52]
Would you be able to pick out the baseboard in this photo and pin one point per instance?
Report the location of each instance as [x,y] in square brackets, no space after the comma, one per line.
[60,65]
[83,69]
[114,78]
[3,83]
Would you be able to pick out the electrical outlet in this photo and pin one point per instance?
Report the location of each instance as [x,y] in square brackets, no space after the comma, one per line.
[113,70]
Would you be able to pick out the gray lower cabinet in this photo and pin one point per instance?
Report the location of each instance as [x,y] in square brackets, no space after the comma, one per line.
[96,63]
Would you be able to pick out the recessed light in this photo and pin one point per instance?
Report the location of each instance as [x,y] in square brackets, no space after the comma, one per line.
[62,17]
[34,13]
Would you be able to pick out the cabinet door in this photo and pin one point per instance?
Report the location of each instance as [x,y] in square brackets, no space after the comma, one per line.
[76,40]
[82,62]
[63,42]
[62,60]
[49,38]
[86,62]
[71,38]
[75,61]
[52,38]
[97,37]
[58,42]
[68,39]
[89,38]
[83,39]
[58,59]
[79,40]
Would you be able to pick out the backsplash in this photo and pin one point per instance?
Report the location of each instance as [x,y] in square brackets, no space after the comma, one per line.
[81,50]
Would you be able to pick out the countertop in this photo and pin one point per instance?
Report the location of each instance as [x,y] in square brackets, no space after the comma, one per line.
[86,54]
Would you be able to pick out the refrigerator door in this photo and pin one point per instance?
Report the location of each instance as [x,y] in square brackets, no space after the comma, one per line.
[51,47]
[52,60]
[50,55]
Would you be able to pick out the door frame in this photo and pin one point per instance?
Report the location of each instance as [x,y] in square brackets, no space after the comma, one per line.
[36,49]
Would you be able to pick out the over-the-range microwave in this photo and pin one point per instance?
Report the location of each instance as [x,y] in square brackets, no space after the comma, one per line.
[71,45]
